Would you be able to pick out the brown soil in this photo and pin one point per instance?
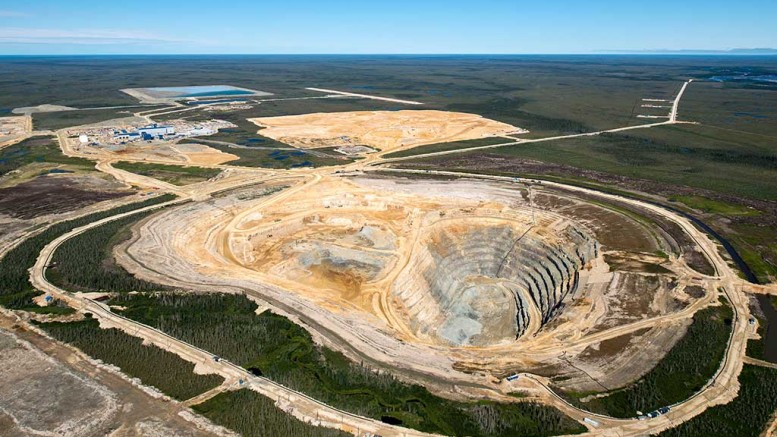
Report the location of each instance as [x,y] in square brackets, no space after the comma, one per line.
[384,130]
[50,195]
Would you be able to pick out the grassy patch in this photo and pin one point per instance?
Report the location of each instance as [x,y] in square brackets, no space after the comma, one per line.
[678,157]
[746,416]
[249,157]
[757,244]
[35,150]
[442,147]
[16,291]
[244,137]
[62,119]
[755,347]
[254,415]
[713,206]
[85,262]
[682,372]
[273,346]
[173,174]
[56,308]
[154,366]
[763,309]
[512,111]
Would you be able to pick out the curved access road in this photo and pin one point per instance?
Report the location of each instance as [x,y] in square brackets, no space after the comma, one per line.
[724,385]
[293,402]
[720,389]
[672,120]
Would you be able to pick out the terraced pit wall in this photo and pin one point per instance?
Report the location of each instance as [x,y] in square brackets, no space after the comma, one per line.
[483,285]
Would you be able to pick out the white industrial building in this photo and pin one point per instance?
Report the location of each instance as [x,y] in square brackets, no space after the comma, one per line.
[154,130]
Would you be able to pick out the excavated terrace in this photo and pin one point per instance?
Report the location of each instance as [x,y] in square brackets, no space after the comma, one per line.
[429,276]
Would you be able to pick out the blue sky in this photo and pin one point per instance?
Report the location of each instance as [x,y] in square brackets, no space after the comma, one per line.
[397,26]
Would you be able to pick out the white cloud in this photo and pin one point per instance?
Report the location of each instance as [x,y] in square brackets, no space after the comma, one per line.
[81,36]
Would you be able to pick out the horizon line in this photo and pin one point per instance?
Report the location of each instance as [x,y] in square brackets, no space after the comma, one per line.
[682,52]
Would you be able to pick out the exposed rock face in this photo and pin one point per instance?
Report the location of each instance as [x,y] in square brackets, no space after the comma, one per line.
[478,285]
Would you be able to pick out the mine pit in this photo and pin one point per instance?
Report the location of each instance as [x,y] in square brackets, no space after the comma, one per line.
[426,271]
[470,284]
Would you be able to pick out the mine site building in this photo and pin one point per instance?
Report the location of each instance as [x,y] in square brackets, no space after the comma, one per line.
[126,136]
[154,130]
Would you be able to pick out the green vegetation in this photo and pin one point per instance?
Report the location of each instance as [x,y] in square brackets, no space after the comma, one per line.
[15,289]
[731,109]
[34,150]
[249,157]
[512,110]
[173,174]
[682,372]
[62,119]
[254,415]
[85,262]
[442,147]
[747,415]
[154,366]
[272,346]
[757,244]
[762,309]
[713,206]
[668,154]
[756,347]
[56,308]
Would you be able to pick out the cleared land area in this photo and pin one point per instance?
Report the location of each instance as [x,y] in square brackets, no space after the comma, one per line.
[169,173]
[152,365]
[159,152]
[386,131]
[49,389]
[29,377]
[14,129]
[679,375]
[49,194]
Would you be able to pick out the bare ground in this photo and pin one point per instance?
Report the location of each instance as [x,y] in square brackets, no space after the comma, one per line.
[49,389]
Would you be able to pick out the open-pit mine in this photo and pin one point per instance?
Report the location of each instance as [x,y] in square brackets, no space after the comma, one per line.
[474,286]
[484,278]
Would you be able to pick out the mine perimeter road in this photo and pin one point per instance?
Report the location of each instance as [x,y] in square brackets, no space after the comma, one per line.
[304,407]
[720,389]
[364,96]
[724,385]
